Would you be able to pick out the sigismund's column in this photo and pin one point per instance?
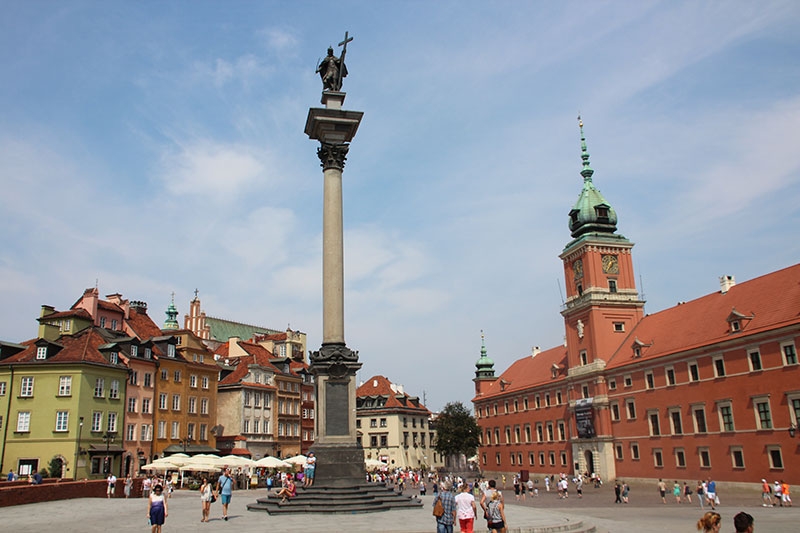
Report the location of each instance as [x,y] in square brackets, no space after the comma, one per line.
[340,459]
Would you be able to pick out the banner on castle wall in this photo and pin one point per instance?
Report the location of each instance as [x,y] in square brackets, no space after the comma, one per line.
[584,418]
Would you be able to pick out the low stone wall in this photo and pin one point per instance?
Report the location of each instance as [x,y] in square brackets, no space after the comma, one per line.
[21,492]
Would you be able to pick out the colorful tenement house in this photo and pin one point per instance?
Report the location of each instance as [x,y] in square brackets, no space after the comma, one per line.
[706,386]
[393,427]
[64,399]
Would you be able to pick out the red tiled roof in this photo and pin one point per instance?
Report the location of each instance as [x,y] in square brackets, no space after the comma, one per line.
[773,301]
[142,325]
[529,371]
[82,347]
[257,355]
[72,313]
[103,304]
[381,386]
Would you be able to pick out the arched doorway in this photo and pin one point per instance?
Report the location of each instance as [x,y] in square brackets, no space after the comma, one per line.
[589,458]
[128,459]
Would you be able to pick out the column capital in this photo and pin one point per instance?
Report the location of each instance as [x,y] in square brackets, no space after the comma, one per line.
[332,155]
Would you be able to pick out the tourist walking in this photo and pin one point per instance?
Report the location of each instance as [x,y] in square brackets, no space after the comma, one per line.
[766,494]
[711,492]
[465,509]
[687,492]
[701,493]
[496,514]
[225,490]
[676,491]
[206,495]
[444,523]
[157,511]
[625,490]
[662,490]
[786,495]
[618,492]
[111,480]
[128,486]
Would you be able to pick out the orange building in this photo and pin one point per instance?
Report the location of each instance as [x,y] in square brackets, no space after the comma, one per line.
[707,388]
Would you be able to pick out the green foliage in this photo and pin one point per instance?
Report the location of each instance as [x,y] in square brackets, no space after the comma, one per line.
[457,431]
[53,468]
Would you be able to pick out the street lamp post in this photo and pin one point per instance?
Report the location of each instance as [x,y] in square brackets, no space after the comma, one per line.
[108,438]
[185,442]
[78,450]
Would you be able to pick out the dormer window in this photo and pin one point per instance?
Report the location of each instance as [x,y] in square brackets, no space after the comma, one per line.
[114,358]
[637,351]
[102,321]
[738,321]
[602,211]
[639,348]
[134,350]
[148,353]
[41,352]
[171,350]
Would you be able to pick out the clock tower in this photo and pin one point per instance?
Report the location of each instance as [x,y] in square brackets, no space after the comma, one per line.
[602,301]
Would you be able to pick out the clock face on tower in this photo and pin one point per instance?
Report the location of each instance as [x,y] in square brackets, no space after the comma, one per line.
[610,264]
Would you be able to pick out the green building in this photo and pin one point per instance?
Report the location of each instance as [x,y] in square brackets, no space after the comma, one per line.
[62,399]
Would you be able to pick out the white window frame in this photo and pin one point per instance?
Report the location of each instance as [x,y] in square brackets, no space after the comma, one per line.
[65,386]
[649,380]
[701,450]
[627,380]
[23,422]
[26,387]
[695,410]
[615,412]
[113,390]
[678,453]
[658,458]
[97,421]
[204,406]
[41,352]
[112,421]
[176,430]
[99,388]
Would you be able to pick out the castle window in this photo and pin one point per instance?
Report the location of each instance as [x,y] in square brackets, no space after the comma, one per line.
[619,327]
[670,375]
[719,367]
[754,358]
[579,288]
[584,358]
[658,458]
[612,285]
[789,354]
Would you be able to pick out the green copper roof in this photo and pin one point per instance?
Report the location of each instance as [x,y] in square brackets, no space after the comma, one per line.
[484,365]
[222,330]
[172,313]
[591,213]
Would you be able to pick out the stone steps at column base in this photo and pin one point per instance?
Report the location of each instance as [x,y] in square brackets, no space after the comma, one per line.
[368,498]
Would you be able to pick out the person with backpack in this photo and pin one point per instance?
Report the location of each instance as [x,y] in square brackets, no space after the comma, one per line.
[495,511]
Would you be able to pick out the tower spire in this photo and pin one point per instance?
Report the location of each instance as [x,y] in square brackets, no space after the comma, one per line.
[587,169]
[172,313]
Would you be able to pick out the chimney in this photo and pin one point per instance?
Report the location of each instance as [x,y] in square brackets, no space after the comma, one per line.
[535,351]
[725,283]
[139,306]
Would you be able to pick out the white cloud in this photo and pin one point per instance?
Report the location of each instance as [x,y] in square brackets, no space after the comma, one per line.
[216,170]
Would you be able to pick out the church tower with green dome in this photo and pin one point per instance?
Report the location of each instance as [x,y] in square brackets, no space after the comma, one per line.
[484,370]
[602,301]
[172,315]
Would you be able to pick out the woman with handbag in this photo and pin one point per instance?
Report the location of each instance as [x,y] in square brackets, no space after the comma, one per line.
[206,498]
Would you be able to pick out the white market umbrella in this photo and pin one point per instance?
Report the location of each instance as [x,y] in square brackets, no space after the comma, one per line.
[200,467]
[272,462]
[163,465]
[374,463]
[237,460]
[297,460]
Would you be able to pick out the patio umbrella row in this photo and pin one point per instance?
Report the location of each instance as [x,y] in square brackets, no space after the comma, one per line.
[214,463]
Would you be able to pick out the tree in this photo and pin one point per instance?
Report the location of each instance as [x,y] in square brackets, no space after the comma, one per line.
[54,468]
[457,431]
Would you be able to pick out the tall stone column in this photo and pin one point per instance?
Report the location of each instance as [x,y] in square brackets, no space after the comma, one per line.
[340,459]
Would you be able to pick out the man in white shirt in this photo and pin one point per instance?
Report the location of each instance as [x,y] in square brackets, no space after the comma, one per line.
[112,484]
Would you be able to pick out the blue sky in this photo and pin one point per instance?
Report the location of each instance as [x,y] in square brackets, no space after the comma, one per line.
[158,147]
